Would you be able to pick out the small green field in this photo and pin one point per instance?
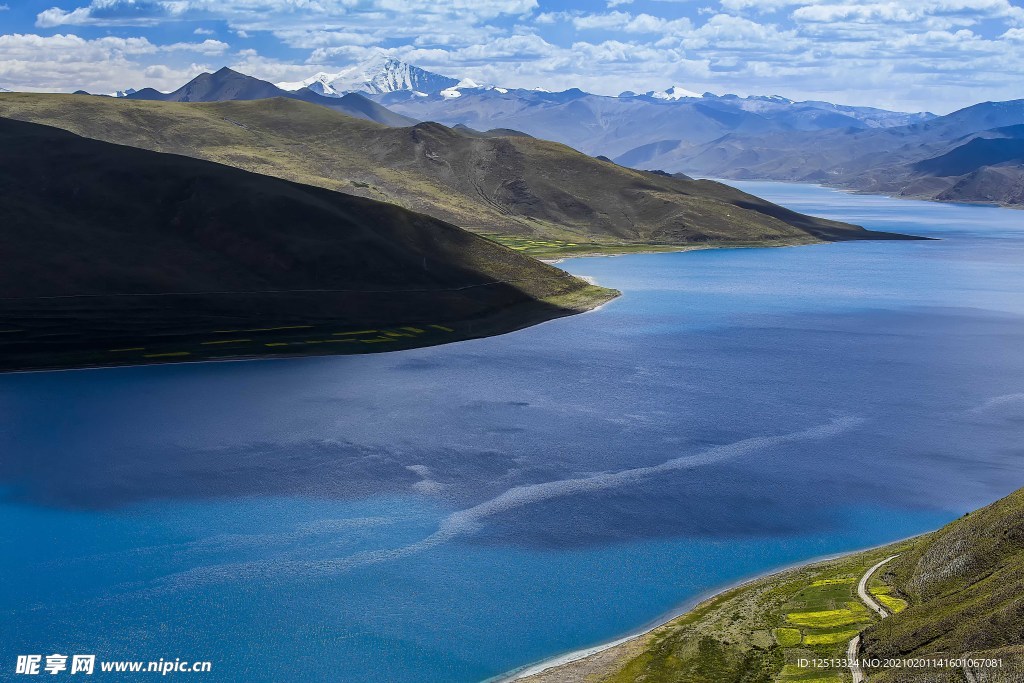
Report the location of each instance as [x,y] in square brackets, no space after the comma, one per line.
[821,617]
[791,673]
[883,594]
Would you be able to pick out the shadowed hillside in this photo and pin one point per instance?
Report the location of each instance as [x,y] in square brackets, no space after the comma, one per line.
[118,255]
[505,185]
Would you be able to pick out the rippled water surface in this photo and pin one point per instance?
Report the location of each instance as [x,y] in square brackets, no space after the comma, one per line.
[448,514]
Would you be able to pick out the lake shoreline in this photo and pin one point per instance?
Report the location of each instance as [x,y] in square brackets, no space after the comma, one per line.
[522,316]
[574,657]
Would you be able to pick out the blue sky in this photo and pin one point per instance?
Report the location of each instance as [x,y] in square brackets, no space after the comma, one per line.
[933,55]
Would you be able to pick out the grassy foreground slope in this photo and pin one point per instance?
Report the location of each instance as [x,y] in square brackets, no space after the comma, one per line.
[510,187]
[965,589]
[116,255]
[955,592]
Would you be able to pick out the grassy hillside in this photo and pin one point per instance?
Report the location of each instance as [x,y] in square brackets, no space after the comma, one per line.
[512,186]
[954,592]
[756,633]
[965,588]
[119,255]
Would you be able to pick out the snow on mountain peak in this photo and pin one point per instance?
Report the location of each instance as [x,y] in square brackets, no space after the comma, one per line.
[378,75]
[676,92]
[319,83]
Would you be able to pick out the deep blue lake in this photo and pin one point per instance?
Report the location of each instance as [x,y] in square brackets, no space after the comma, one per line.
[449,514]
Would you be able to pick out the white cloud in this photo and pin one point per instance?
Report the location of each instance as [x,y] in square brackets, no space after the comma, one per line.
[66,62]
[207,47]
[624,21]
[761,6]
[924,13]
[271,14]
[551,17]
[320,39]
[114,13]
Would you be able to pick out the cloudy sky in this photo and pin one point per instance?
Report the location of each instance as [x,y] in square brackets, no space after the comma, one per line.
[935,55]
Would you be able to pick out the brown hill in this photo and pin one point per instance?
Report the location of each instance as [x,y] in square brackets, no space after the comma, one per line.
[509,185]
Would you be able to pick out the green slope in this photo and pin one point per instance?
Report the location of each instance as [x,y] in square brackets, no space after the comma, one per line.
[511,187]
[956,592]
[965,587]
[118,255]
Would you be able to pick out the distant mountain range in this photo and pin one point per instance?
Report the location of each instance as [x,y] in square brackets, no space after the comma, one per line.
[122,255]
[227,85]
[613,126]
[766,137]
[595,124]
[626,127]
[755,137]
[975,154]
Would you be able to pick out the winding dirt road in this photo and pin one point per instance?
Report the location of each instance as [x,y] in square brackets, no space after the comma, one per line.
[853,649]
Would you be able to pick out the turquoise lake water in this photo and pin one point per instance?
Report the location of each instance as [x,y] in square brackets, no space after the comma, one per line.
[452,513]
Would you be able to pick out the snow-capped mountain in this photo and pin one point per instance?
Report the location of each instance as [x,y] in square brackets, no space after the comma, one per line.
[319,83]
[467,84]
[378,75]
[674,93]
[124,93]
[5,90]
